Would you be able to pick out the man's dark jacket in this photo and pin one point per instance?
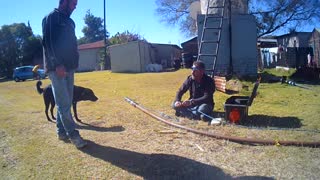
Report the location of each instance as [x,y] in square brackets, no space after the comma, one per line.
[201,93]
[59,41]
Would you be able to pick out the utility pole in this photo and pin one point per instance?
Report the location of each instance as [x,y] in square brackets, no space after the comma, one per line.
[230,69]
[105,34]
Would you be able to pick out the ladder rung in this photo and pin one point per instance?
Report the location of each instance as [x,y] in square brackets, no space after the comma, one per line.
[212,16]
[208,41]
[212,27]
[207,55]
[215,7]
[217,19]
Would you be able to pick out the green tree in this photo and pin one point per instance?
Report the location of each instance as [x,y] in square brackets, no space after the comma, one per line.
[8,51]
[271,15]
[125,37]
[18,46]
[94,30]
[32,49]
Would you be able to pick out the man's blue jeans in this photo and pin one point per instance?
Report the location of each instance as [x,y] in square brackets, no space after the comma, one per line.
[62,89]
[194,112]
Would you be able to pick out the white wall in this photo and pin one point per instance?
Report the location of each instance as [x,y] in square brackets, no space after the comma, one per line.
[130,57]
[146,55]
[125,57]
[88,60]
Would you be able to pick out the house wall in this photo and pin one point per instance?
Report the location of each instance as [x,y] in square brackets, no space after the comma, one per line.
[294,40]
[314,43]
[88,60]
[244,45]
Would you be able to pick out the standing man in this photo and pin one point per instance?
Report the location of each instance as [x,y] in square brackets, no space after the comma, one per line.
[61,60]
[201,88]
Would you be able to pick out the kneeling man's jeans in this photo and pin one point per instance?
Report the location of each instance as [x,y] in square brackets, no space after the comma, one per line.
[62,89]
[193,112]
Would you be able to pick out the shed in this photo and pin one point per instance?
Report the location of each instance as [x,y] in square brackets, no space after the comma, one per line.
[314,43]
[89,56]
[131,57]
[165,54]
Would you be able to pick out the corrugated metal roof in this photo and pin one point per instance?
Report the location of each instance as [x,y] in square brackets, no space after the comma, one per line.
[293,34]
[114,45]
[173,45]
[98,44]
[267,43]
[195,39]
[267,40]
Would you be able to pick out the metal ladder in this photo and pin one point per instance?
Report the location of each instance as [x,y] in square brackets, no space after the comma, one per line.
[207,31]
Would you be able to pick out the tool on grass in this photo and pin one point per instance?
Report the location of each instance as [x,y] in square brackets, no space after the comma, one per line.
[213,121]
[292,83]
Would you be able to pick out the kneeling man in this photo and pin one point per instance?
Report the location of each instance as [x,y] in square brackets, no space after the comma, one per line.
[201,88]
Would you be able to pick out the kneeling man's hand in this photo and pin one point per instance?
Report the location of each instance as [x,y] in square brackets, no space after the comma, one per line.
[186,103]
[177,104]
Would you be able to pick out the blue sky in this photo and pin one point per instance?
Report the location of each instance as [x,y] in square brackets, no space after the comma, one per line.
[137,16]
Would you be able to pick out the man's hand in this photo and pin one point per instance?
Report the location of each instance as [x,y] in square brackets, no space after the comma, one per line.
[61,71]
[177,104]
[186,103]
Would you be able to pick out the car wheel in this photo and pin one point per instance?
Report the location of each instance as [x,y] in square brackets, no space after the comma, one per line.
[16,79]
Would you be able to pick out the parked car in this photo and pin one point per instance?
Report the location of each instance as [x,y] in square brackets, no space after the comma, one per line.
[25,72]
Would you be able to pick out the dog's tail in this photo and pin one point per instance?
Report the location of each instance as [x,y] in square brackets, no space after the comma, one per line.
[39,89]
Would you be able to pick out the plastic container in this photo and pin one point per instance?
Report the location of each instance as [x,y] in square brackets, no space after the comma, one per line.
[236,109]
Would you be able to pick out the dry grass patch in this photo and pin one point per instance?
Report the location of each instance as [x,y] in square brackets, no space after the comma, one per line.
[125,143]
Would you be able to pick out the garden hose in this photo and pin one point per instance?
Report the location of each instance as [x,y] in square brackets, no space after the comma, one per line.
[241,140]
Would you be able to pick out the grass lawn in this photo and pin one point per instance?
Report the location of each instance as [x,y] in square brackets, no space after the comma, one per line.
[125,143]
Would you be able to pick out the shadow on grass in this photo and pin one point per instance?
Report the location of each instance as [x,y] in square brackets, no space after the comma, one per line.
[157,166]
[307,75]
[304,75]
[267,121]
[269,78]
[272,121]
[87,126]
[231,92]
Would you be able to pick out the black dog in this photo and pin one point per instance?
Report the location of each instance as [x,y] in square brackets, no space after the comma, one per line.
[79,94]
